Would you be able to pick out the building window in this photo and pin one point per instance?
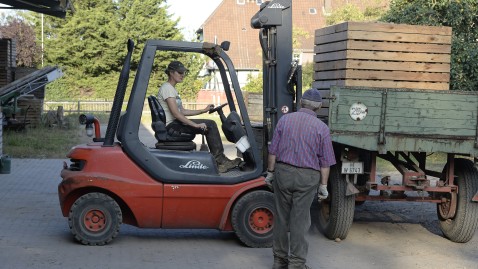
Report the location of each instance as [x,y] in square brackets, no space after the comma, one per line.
[327,7]
[312,11]
[241,2]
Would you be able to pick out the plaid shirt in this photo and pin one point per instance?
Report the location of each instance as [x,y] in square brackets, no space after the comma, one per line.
[302,140]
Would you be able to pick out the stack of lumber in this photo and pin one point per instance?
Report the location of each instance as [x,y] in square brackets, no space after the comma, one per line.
[31,110]
[369,54]
[7,61]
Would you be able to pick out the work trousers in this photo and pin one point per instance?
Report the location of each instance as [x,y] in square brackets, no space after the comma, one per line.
[213,137]
[294,191]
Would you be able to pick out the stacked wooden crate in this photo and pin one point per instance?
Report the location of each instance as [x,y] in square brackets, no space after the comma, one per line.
[7,61]
[31,110]
[368,54]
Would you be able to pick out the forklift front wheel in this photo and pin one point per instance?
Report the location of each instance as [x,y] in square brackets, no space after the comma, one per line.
[95,219]
[253,219]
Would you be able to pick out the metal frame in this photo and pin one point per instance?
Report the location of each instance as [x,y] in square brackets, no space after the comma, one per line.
[128,125]
[56,8]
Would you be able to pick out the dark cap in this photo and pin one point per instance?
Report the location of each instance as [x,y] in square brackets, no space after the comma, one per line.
[176,66]
[312,95]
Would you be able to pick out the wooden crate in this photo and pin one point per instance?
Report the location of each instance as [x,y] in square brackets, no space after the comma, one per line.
[31,110]
[388,55]
[7,61]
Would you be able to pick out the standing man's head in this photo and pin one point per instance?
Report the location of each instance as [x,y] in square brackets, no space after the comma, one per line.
[312,100]
[176,72]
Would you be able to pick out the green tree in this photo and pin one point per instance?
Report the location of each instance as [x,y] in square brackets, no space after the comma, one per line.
[307,75]
[373,11]
[28,51]
[90,44]
[461,16]
[254,83]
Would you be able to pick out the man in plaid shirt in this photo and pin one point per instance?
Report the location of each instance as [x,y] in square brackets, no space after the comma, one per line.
[300,156]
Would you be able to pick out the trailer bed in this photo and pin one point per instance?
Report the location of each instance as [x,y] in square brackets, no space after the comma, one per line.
[384,119]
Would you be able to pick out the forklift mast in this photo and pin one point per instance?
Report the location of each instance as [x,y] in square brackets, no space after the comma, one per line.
[280,72]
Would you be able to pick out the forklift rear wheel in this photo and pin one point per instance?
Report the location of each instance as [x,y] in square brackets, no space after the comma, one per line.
[95,219]
[336,213]
[461,227]
[253,219]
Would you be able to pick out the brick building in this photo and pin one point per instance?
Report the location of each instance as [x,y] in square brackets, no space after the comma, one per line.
[231,21]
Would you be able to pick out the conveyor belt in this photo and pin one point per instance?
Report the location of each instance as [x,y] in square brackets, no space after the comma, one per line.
[32,81]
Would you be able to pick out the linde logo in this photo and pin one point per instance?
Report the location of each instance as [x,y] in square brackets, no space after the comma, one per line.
[276,5]
[194,164]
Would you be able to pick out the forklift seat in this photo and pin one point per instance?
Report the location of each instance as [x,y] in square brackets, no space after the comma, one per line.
[167,140]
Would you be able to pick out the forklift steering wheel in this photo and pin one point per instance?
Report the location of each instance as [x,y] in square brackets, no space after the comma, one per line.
[216,109]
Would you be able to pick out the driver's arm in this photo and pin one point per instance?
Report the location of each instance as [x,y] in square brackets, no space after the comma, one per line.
[188,112]
[173,107]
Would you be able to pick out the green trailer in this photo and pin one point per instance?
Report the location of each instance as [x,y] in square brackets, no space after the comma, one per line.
[403,127]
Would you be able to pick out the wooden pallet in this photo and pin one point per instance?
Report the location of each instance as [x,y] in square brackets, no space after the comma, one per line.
[31,110]
[387,55]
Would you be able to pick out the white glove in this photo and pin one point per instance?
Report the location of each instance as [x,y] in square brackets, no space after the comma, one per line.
[269,179]
[323,193]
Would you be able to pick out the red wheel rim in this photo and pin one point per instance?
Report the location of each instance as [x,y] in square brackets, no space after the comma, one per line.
[94,220]
[261,220]
[447,209]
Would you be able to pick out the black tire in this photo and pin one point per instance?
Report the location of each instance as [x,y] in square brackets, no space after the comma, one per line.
[336,213]
[461,227]
[95,219]
[253,219]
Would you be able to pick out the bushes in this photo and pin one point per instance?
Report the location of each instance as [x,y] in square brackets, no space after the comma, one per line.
[461,16]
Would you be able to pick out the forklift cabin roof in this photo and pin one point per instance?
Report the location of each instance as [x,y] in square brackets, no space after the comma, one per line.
[55,8]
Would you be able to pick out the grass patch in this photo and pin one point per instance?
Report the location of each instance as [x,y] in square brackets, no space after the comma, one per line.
[41,142]
[45,142]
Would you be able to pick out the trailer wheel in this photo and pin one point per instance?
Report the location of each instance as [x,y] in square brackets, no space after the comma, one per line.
[460,226]
[336,213]
[253,219]
[95,219]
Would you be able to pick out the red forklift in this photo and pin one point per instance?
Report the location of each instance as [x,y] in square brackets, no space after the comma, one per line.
[174,186]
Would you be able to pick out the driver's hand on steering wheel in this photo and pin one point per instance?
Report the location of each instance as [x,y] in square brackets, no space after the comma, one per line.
[208,108]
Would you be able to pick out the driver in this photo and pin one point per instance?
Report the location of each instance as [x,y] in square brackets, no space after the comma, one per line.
[176,120]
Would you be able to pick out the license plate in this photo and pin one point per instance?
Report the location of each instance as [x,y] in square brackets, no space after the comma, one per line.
[352,168]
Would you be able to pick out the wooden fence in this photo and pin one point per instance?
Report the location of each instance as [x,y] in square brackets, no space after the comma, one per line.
[100,106]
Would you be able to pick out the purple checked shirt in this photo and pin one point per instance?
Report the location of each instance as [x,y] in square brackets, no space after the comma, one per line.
[302,140]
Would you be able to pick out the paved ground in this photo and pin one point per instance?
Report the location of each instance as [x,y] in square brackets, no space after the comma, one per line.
[34,234]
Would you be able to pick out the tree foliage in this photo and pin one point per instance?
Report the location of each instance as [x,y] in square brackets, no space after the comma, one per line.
[17,29]
[461,16]
[254,83]
[90,46]
[307,75]
[349,12]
